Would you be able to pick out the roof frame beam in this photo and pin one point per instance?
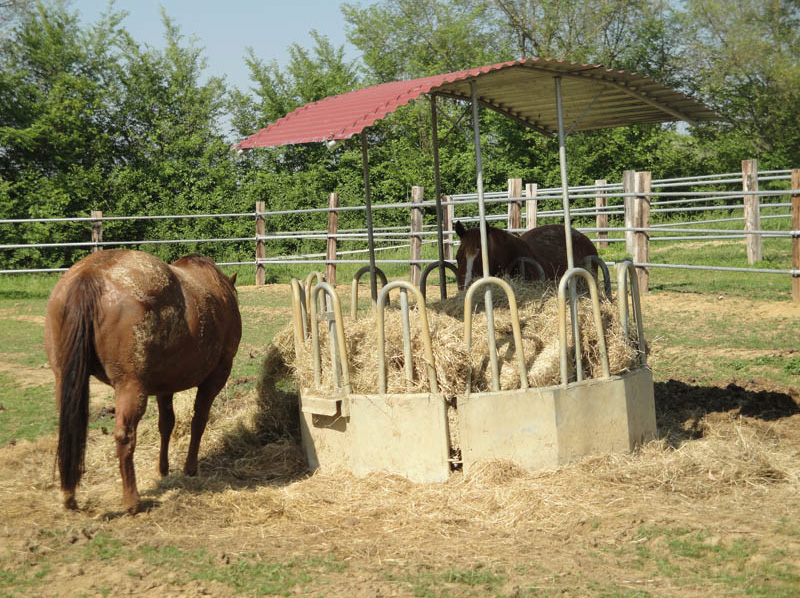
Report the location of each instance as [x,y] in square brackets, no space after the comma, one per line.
[497,108]
[589,74]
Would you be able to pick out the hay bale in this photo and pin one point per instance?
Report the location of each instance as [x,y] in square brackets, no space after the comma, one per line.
[538,314]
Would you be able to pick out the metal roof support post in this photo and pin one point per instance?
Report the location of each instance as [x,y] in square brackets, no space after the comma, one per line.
[437,190]
[479,173]
[484,237]
[562,160]
[373,280]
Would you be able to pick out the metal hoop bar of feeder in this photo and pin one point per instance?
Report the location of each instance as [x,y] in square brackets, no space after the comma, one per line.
[299,317]
[342,348]
[354,287]
[566,280]
[430,363]
[308,283]
[522,260]
[518,348]
[423,279]
[408,357]
[596,259]
[627,271]
[320,277]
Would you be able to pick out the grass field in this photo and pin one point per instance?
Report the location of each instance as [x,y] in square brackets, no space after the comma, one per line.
[710,509]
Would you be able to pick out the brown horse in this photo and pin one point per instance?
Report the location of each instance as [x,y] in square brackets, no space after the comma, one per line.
[504,249]
[145,328]
[548,244]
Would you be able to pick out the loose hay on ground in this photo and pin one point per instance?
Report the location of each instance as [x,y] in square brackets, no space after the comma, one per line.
[254,497]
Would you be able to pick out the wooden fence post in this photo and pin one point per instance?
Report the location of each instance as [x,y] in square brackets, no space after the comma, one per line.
[330,250]
[752,213]
[97,230]
[514,207]
[641,219]
[628,186]
[417,194]
[261,253]
[601,202]
[447,224]
[796,240]
[531,205]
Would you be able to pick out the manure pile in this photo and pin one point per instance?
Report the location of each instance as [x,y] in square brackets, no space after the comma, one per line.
[537,305]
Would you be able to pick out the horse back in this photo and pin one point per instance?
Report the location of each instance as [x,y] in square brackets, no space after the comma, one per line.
[166,327]
[548,244]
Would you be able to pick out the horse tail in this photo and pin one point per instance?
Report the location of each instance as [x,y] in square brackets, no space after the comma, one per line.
[77,355]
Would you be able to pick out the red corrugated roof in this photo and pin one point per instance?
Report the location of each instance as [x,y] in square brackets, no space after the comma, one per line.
[594,97]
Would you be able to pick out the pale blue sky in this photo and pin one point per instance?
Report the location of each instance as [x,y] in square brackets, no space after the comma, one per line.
[226,28]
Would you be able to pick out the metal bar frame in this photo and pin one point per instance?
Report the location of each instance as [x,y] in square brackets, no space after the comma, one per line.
[626,272]
[566,281]
[430,362]
[343,385]
[515,328]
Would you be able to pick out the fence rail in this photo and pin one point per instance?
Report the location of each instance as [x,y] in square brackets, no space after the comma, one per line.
[623,213]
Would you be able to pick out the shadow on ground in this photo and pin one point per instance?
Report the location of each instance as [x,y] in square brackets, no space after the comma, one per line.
[267,451]
[261,449]
[680,407]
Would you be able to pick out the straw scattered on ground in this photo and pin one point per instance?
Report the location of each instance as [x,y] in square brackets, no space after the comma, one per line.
[726,470]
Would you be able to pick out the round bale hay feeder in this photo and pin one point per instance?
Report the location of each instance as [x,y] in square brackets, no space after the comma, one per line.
[431,422]
[426,435]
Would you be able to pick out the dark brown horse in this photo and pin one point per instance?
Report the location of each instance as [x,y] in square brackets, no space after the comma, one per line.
[548,244]
[504,249]
[145,328]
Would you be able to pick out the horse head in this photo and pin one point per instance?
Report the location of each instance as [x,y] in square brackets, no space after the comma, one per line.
[468,256]
[503,248]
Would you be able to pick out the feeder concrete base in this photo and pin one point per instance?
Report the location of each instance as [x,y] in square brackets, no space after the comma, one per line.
[549,426]
[402,434]
[536,428]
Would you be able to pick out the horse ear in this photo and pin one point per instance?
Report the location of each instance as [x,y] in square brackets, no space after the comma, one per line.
[459,228]
[233,278]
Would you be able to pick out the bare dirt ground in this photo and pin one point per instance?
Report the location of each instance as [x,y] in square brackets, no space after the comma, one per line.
[712,508]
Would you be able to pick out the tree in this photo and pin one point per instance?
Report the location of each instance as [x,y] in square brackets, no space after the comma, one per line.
[91,120]
[743,59]
[175,161]
[416,38]
[299,176]
[11,12]
[57,88]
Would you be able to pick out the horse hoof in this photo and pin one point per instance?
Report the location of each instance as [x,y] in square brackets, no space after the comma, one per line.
[70,503]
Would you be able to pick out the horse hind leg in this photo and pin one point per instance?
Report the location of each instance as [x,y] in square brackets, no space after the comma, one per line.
[131,403]
[206,393]
[166,423]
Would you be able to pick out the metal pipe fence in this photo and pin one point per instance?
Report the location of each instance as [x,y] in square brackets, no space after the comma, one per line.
[678,199]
